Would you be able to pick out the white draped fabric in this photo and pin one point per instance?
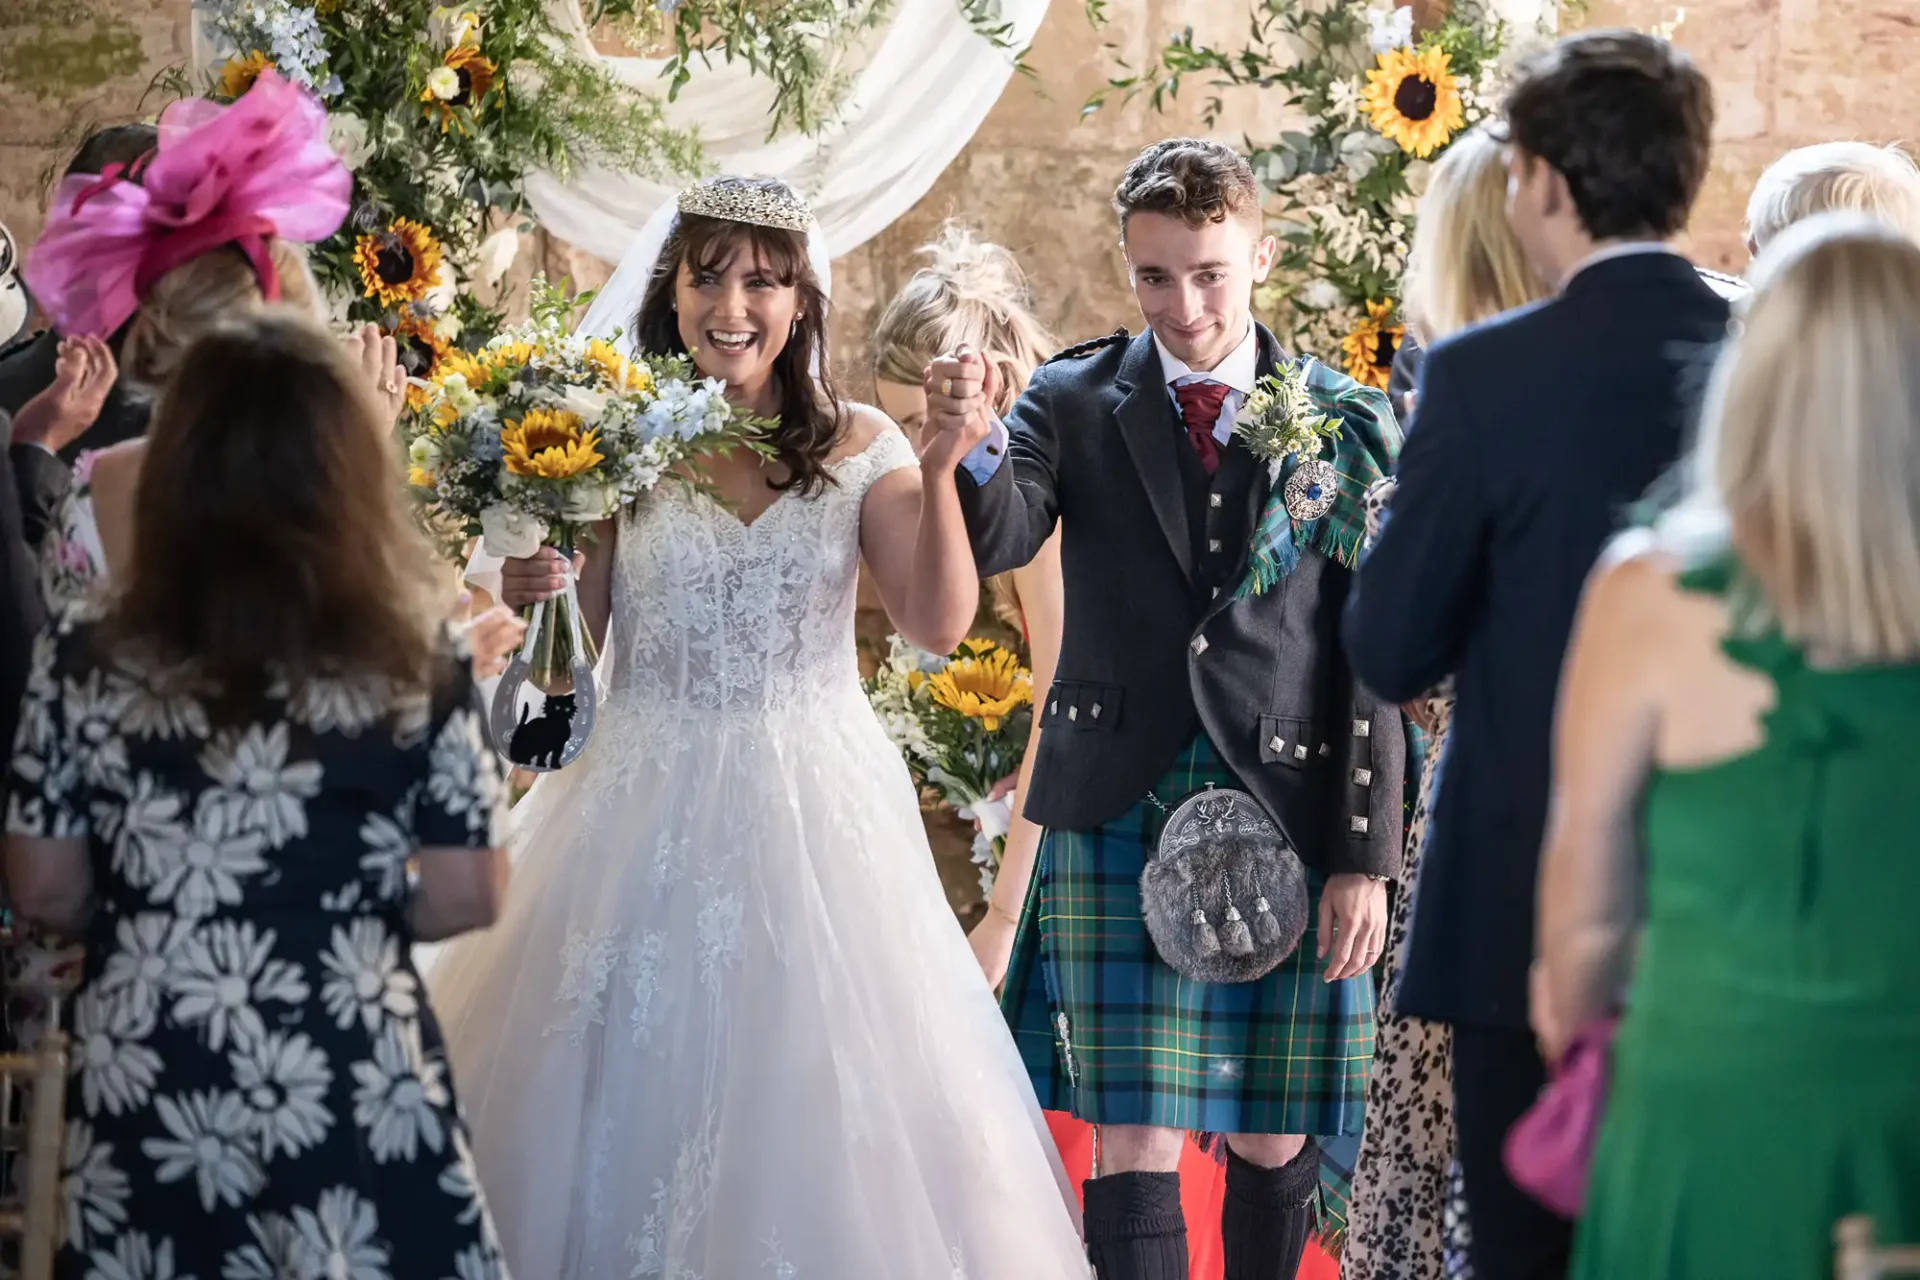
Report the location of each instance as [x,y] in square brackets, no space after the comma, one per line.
[927,83]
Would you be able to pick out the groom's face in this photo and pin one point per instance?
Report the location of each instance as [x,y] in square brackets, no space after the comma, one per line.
[1195,284]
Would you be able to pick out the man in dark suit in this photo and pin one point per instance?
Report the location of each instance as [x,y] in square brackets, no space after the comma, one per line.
[1531,435]
[27,368]
[1200,649]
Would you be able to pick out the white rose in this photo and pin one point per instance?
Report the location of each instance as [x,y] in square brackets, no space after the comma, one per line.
[447,327]
[444,84]
[440,295]
[1321,295]
[587,502]
[588,404]
[422,453]
[511,534]
[497,253]
[350,138]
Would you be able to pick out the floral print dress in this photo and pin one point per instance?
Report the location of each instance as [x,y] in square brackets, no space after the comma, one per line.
[259,1089]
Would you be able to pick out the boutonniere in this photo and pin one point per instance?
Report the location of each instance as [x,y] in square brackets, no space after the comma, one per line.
[1279,421]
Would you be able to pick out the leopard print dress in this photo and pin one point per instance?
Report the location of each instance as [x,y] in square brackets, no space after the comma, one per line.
[1408,1220]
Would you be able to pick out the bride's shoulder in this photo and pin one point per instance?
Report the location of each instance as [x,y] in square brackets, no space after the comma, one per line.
[864,428]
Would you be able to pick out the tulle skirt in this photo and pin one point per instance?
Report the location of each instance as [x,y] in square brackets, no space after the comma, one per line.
[728,1026]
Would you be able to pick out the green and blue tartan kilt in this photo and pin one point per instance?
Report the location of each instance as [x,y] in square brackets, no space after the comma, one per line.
[1113,1035]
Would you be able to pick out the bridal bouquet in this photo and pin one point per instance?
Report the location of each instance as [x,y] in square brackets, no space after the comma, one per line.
[542,433]
[961,722]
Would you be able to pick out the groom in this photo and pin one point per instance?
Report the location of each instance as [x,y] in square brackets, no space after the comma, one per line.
[1175,676]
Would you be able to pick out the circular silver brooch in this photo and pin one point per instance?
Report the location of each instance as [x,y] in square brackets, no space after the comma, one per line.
[1310,489]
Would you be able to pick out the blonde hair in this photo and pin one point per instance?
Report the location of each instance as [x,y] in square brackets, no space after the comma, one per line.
[971,291]
[197,295]
[1880,181]
[1808,464]
[1465,264]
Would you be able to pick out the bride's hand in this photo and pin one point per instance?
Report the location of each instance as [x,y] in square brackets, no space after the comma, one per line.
[541,576]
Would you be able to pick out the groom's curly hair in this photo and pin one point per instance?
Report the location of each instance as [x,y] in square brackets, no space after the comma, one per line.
[1191,179]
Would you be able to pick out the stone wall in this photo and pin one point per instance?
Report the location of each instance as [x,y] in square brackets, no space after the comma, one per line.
[1037,177]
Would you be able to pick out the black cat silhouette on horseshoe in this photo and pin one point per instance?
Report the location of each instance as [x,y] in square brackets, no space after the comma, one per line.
[539,743]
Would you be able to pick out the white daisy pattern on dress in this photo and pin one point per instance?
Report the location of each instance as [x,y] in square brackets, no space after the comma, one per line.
[340,1240]
[399,1095]
[147,827]
[225,970]
[284,1079]
[339,705]
[201,871]
[149,947]
[134,1256]
[258,787]
[95,1191]
[459,782]
[366,980]
[244,959]
[209,1140]
[389,846]
[117,1071]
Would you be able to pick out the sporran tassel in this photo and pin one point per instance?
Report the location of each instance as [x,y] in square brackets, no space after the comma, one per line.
[1206,941]
[1234,938]
[1266,929]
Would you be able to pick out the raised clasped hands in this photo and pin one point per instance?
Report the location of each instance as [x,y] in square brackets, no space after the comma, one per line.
[961,389]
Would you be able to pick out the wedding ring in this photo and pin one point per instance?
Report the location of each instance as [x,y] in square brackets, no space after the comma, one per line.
[946,387]
[391,387]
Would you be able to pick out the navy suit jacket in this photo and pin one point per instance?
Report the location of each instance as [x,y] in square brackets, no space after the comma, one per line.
[1530,436]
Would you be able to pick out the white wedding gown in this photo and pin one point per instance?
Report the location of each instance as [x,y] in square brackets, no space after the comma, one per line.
[727,1027]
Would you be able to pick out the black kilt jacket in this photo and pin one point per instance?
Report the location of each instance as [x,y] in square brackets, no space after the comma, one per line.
[1157,644]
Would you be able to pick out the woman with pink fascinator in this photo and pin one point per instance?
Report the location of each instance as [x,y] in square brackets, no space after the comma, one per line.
[250,776]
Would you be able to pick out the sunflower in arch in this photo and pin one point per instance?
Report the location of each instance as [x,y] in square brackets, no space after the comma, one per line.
[1413,99]
[462,80]
[399,263]
[1371,346]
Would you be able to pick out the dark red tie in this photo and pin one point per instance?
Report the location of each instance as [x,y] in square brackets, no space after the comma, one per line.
[1200,408]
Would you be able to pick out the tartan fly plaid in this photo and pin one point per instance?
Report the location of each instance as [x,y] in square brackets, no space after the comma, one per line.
[1111,1034]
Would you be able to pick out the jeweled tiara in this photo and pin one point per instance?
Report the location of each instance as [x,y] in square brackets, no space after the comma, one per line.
[735,200]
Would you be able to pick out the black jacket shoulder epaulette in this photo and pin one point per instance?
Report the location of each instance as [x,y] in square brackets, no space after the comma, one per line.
[1090,346]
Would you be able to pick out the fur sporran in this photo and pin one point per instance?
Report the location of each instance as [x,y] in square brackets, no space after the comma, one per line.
[1224,894]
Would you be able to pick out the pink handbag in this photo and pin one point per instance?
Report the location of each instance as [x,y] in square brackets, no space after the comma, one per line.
[1549,1150]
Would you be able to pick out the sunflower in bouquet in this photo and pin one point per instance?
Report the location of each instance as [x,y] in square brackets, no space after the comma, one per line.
[962,724]
[539,435]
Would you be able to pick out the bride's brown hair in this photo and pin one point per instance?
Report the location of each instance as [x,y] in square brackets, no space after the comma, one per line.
[810,413]
[273,540]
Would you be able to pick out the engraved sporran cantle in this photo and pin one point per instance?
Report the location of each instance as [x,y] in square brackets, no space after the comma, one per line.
[556,659]
[1224,895]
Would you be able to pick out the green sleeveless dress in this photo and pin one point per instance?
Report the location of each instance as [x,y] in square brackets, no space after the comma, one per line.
[1766,1078]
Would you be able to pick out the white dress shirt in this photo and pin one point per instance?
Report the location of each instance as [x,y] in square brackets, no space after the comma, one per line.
[1238,372]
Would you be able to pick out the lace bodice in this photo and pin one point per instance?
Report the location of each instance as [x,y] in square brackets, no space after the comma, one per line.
[712,616]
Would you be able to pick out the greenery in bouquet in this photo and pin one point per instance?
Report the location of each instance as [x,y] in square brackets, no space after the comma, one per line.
[1378,102]
[542,433]
[961,723]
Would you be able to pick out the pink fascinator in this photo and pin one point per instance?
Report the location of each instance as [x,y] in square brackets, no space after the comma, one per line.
[233,175]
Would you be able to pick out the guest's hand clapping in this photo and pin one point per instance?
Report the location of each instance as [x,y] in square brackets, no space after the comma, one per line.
[83,374]
[961,389]
[540,576]
[378,356]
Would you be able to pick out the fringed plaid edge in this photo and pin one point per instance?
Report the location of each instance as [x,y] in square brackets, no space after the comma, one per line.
[1364,452]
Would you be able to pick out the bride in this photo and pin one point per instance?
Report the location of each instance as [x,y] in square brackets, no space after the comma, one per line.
[727,1026]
